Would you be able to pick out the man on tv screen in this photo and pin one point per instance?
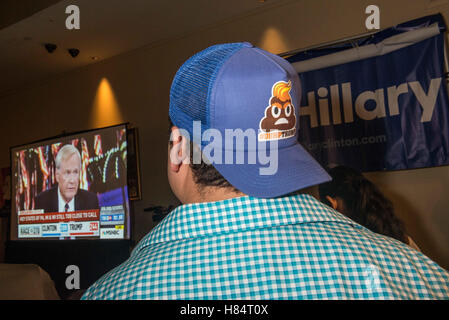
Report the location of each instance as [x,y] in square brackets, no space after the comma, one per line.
[67,196]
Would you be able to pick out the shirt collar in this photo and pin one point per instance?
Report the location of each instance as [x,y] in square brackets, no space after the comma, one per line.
[61,201]
[237,215]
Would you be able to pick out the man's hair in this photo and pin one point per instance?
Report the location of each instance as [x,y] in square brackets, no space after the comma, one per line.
[65,153]
[205,175]
[363,202]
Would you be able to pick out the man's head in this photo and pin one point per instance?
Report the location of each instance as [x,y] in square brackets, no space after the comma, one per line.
[239,106]
[189,181]
[68,166]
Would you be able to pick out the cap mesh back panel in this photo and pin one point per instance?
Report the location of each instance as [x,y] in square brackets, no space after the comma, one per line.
[191,88]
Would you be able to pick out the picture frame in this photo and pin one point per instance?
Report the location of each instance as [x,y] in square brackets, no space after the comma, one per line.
[134,186]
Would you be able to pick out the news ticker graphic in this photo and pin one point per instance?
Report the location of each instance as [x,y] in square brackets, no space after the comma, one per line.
[107,223]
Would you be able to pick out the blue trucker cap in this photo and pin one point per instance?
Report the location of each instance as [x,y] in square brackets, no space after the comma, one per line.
[236,90]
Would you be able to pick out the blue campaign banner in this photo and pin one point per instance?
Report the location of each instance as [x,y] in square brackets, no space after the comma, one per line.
[386,112]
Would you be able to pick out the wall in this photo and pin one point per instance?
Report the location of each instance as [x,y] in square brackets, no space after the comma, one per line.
[140,82]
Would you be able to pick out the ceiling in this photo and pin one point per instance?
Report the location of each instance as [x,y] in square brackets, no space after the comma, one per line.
[107,28]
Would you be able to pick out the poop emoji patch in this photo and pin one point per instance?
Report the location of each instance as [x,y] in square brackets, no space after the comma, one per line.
[279,121]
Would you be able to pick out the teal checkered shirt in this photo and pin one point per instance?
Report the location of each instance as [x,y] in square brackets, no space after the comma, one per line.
[284,248]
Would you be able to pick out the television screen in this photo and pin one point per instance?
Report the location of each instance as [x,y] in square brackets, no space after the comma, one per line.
[74,187]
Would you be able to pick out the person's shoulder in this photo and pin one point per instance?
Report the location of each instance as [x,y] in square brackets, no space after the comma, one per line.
[87,194]
[110,286]
[46,193]
[86,199]
[47,200]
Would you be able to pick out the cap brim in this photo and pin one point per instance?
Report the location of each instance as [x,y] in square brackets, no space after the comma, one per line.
[296,170]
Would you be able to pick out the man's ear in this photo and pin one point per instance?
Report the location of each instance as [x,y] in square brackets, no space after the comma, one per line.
[178,153]
[57,175]
[333,202]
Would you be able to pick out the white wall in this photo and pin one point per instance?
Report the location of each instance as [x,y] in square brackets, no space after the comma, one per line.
[140,81]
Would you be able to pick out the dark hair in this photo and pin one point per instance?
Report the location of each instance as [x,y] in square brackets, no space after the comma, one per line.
[205,175]
[363,202]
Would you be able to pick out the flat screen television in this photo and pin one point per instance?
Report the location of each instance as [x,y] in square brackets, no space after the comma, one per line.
[71,187]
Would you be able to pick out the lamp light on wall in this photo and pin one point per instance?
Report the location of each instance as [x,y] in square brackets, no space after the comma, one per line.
[105,108]
[273,40]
